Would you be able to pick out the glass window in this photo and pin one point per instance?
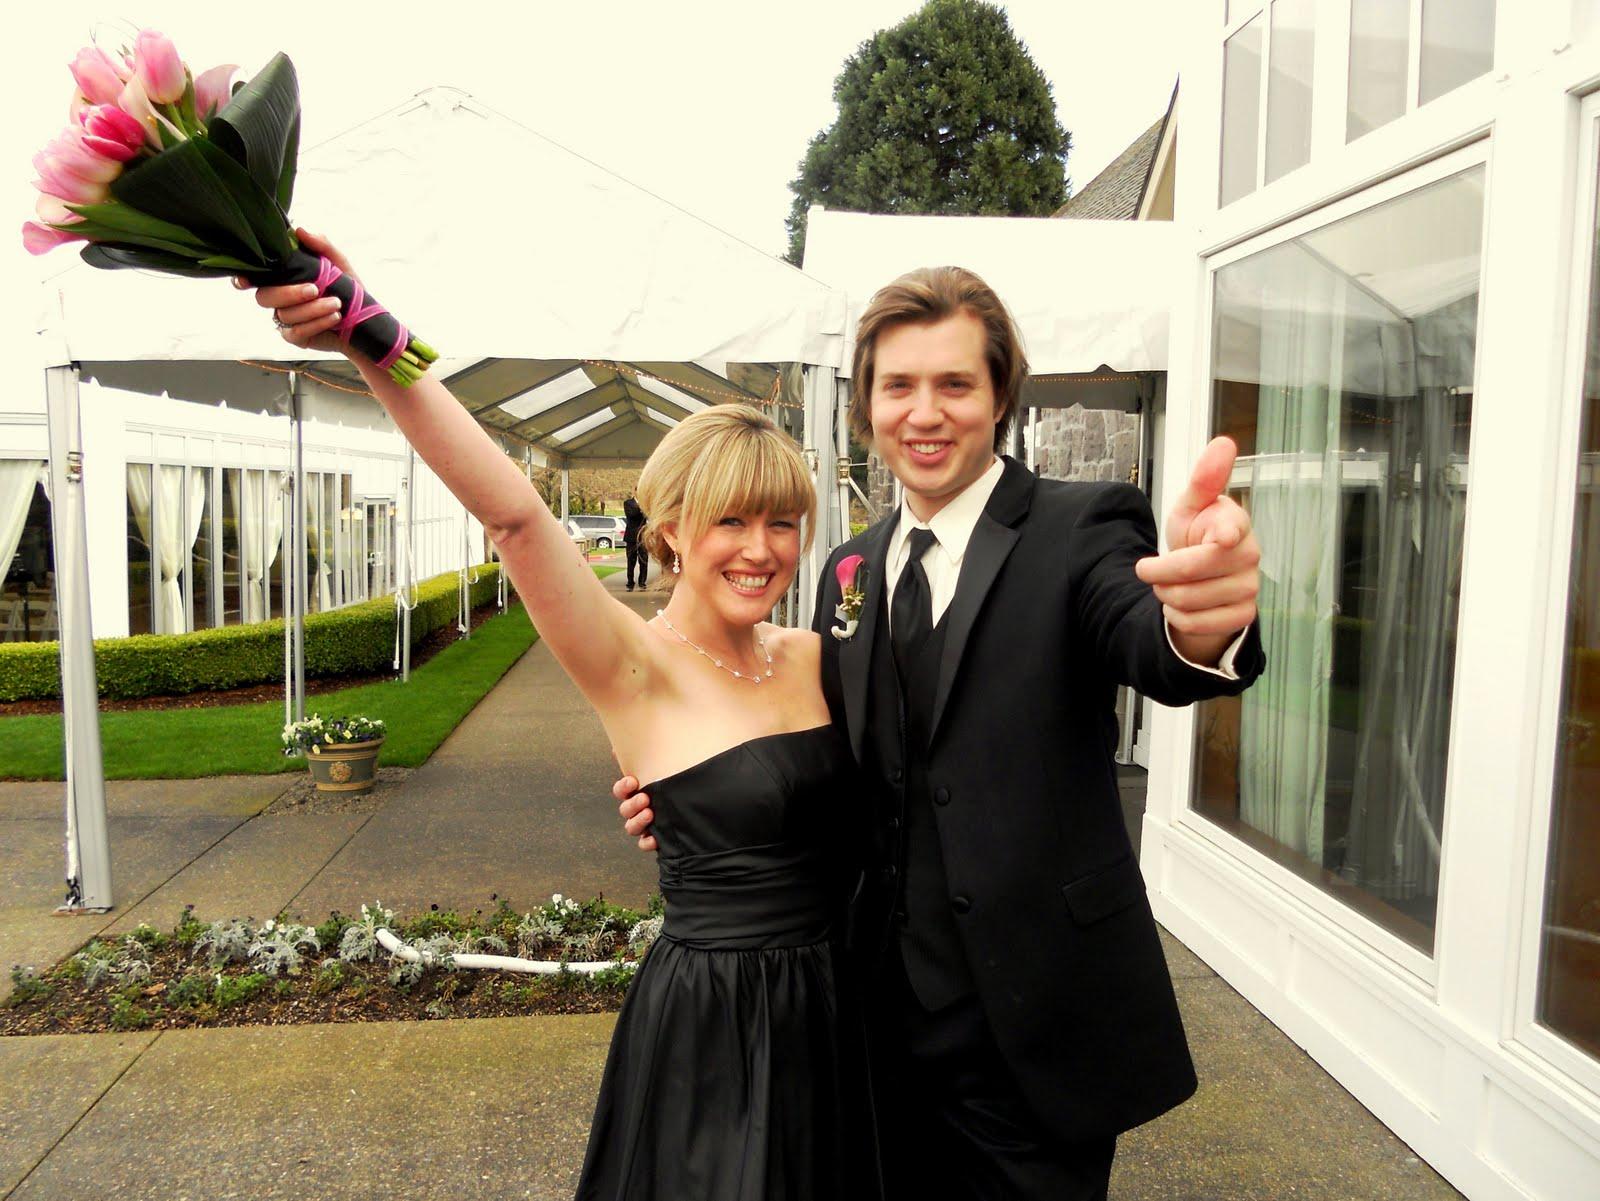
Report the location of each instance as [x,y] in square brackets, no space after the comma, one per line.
[141,591]
[1569,963]
[1289,87]
[205,539]
[232,597]
[1241,111]
[1457,44]
[28,575]
[1379,48]
[331,552]
[1342,366]
[316,580]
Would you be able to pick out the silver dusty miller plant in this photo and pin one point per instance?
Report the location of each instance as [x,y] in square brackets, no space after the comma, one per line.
[118,964]
[360,941]
[642,933]
[225,942]
[276,949]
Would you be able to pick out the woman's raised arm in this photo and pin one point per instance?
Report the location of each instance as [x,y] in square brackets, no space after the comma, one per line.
[597,639]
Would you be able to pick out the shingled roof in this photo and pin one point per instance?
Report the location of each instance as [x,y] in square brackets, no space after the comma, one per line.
[1115,194]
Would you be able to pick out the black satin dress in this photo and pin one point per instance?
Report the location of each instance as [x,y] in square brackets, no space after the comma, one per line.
[736,1070]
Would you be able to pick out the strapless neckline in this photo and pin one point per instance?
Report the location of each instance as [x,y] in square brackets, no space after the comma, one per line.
[726,751]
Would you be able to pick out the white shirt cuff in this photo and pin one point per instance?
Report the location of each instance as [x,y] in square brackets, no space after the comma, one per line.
[1224,667]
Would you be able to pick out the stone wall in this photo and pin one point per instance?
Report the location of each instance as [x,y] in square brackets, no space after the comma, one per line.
[1087,444]
[880,484]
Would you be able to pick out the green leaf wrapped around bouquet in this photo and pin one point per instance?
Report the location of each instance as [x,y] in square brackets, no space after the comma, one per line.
[260,128]
[199,188]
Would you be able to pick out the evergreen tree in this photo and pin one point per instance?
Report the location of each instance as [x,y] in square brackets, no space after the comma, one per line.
[944,113]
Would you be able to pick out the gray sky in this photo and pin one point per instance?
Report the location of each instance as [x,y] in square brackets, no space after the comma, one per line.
[707,103]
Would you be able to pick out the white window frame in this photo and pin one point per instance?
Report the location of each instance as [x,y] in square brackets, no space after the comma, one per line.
[1340,921]
[1527,1034]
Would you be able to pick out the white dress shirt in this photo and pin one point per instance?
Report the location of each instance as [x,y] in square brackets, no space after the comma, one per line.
[952,528]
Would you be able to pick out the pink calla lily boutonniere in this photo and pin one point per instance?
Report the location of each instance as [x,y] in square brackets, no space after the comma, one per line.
[852,595]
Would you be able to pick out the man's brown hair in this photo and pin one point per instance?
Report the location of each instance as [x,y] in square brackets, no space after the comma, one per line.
[925,296]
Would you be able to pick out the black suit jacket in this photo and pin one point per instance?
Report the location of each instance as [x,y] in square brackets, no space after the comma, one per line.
[1048,618]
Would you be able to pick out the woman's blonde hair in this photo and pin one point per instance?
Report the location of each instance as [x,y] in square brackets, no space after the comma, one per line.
[726,459]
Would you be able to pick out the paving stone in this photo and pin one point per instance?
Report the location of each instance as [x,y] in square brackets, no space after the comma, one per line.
[47,1084]
[491,1109]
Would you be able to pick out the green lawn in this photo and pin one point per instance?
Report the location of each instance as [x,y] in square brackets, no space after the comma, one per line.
[244,739]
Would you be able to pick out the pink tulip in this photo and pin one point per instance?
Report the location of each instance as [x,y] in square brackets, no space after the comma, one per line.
[845,571]
[52,211]
[158,67]
[55,180]
[135,101]
[98,75]
[37,238]
[109,131]
[213,89]
[67,153]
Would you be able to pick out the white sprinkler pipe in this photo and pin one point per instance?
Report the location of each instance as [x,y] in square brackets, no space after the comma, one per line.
[504,963]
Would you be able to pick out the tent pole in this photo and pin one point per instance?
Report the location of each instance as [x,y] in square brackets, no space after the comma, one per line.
[466,570]
[838,418]
[88,843]
[408,585]
[301,556]
[566,482]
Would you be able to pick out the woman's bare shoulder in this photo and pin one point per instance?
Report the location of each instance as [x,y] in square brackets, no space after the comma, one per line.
[796,646]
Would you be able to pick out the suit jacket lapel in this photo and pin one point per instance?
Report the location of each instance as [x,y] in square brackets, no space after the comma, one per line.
[855,656]
[992,541]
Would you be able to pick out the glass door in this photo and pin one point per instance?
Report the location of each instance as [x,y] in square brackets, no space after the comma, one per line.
[379,538]
[1567,985]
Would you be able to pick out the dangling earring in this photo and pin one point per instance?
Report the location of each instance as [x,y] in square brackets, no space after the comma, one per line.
[677,564]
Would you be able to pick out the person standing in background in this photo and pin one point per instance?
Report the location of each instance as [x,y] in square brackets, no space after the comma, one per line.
[634,518]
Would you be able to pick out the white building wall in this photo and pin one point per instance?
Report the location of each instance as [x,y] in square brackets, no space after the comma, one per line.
[122,427]
[1441,1047]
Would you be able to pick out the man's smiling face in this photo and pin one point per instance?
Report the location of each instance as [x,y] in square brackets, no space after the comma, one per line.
[933,408]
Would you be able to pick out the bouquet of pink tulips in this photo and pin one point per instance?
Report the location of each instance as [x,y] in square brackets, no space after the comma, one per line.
[160,169]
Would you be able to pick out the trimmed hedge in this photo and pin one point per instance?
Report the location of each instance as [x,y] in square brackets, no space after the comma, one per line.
[356,639]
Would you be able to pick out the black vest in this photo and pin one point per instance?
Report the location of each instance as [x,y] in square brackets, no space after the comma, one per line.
[922,923]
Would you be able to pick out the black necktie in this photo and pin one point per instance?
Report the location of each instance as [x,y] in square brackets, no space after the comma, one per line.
[911,616]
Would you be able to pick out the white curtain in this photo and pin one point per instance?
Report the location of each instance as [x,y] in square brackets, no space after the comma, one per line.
[1294,503]
[256,505]
[18,479]
[172,547]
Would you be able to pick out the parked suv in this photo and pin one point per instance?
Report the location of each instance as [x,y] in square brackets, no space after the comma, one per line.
[604,532]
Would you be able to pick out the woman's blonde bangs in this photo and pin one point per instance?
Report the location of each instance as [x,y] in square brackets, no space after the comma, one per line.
[745,469]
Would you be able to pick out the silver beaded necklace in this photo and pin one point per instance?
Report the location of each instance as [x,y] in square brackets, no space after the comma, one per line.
[761,645]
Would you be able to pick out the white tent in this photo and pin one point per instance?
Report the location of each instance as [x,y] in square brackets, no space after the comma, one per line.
[1092,298]
[580,316]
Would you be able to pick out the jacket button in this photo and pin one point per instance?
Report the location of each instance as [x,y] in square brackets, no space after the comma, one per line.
[898,775]
[894,825]
[890,872]
[941,796]
[960,904]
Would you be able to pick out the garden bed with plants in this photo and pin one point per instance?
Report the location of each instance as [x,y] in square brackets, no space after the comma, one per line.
[235,972]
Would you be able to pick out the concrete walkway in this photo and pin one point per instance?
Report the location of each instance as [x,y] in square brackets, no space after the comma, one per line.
[516,803]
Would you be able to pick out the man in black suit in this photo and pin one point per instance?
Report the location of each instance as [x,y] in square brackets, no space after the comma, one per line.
[1020,1008]
[634,520]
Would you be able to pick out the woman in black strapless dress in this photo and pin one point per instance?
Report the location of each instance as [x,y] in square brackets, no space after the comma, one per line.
[736,1069]
[735,1072]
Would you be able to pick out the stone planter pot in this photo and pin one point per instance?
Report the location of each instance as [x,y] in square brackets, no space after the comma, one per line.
[347,767]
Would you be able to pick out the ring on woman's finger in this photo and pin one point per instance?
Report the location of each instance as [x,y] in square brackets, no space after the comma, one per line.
[279,322]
